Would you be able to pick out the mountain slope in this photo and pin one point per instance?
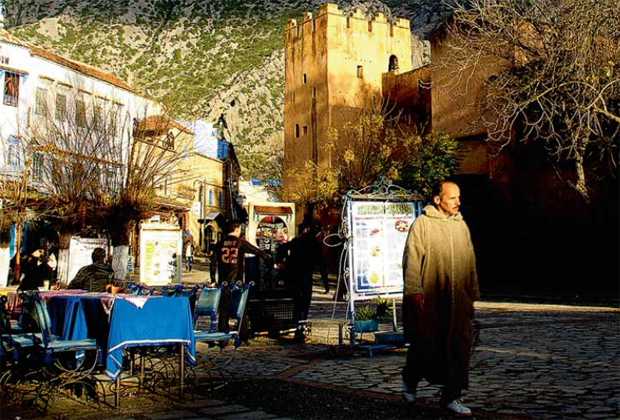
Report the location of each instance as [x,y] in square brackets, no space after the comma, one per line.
[221,61]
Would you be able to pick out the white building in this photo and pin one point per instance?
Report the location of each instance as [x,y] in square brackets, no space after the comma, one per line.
[39,87]
[35,81]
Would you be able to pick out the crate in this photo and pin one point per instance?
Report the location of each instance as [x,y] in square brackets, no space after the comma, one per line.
[271,314]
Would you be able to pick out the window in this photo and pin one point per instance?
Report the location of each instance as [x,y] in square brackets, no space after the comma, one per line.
[305,130]
[348,22]
[314,91]
[313,26]
[80,113]
[61,107]
[369,26]
[11,89]
[97,117]
[210,196]
[293,97]
[37,166]
[296,131]
[393,64]
[13,152]
[220,199]
[40,101]
[114,119]
[305,79]
[360,72]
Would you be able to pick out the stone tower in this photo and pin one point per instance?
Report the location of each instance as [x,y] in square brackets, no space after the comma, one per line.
[333,65]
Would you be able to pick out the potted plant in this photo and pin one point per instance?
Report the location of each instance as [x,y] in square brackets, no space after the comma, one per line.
[367,318]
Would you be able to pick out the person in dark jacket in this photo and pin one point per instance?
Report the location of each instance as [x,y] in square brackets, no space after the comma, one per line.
[33,274]
[300,256]
[94,277]
[228,261]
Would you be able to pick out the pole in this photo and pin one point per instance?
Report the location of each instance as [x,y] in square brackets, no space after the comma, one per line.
[18,245]
[202,215]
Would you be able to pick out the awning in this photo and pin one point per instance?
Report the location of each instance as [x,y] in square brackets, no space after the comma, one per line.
[211,216]
[273,210]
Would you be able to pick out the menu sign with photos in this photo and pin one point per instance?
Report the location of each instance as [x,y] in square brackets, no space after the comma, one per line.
[380,231]
[160,254]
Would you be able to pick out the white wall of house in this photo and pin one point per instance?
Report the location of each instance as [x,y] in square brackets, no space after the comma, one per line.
[41,73]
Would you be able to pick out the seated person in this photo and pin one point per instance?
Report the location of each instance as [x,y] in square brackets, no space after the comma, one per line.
[94,277]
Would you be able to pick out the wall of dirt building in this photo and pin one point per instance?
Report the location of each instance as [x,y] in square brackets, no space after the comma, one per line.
[410,94]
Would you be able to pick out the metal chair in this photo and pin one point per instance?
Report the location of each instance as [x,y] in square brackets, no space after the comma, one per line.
[68,364]
[139,289]
[221,345]
[207,306]
[16,350]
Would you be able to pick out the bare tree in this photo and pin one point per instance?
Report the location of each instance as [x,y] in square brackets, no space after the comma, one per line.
[153,160]
[556,77]
[101,167]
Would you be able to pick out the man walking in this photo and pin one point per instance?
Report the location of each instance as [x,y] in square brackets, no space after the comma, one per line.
[441,285]
[228,260]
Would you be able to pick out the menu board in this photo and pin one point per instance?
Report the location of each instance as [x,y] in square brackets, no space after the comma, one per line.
[160,254]
[379,232]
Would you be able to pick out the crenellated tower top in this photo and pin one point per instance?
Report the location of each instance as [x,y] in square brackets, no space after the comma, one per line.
[333,10]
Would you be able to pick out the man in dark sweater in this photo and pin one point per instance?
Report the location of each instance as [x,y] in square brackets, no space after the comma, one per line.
[228,260]
[94,277]
[300,257]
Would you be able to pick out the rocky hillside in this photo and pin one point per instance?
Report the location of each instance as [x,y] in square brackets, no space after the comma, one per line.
[221,61]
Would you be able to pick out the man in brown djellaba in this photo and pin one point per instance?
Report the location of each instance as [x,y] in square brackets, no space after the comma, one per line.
[441,285]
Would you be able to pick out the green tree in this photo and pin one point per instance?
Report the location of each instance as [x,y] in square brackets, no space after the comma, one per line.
[433,157]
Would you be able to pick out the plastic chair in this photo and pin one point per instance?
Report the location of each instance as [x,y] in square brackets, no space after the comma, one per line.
[68,363]
[219,353]
[207,306]
[16,350]
[139,290]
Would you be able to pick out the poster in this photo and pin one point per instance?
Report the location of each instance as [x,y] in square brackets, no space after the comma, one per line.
[160,254]
[80,253]
[379,230]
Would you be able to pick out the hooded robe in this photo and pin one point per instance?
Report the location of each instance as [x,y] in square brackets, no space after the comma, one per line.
[440,264]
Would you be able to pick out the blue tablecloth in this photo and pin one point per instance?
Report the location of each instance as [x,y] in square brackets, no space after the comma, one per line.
[161,321]
[79,317]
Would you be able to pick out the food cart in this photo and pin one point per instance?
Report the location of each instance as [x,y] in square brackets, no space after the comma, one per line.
[272,300]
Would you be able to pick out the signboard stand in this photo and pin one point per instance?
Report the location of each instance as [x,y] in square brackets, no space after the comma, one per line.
[160,254]
[376,227]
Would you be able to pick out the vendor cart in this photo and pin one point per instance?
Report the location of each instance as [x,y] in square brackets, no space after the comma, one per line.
[271,302]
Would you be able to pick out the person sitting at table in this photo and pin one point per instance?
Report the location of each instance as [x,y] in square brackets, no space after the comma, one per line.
[94,277]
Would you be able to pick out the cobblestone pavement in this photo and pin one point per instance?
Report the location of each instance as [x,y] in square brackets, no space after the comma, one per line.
[532,361]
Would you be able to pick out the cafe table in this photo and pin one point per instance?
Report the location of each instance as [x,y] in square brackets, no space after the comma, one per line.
[132,321]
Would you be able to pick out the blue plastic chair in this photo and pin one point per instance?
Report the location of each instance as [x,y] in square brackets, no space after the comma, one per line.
[69,363]
[207,306]
[219,353]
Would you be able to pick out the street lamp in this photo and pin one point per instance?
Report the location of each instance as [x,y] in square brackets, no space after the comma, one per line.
[201,196]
